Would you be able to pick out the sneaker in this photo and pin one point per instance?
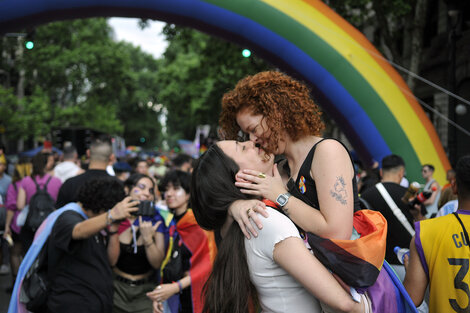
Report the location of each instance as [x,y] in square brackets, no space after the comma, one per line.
[4,269]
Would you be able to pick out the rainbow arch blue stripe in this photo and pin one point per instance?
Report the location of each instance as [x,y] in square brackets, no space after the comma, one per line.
[365,97]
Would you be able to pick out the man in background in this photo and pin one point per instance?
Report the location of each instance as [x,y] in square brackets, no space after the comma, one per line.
[100,154]
[399,231]
[183,162]
[142,167]
[439,254]
[68,168]
[447,194]
[431,203]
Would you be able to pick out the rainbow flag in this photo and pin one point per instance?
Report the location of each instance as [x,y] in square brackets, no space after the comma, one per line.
[360,263]
[357,262]
[201,244]
[39,240]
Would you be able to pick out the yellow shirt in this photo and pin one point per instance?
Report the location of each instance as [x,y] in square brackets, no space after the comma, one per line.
[445,254]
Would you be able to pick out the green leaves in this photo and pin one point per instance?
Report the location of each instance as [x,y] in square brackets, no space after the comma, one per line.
[22,118]
[196,71]
[76,75]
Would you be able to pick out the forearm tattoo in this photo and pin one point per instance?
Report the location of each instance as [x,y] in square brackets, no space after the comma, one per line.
[339,190]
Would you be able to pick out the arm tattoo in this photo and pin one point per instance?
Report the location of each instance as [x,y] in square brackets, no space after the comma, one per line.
[339,190]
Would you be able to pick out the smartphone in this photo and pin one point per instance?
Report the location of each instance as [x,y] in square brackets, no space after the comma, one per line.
[146,208]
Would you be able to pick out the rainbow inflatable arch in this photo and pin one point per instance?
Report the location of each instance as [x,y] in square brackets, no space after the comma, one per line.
[305,38]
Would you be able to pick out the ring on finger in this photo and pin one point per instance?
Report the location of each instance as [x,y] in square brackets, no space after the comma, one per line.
[159,287]
[248,211]
[262,175]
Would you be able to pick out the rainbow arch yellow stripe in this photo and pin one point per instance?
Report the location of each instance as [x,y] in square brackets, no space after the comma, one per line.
[349,78]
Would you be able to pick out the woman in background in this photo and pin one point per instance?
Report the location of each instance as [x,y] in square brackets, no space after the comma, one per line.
[12,229]
[28,188]
[137,251]
[190,254]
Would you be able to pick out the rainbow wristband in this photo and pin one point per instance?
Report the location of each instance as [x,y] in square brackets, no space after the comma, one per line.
[180,286]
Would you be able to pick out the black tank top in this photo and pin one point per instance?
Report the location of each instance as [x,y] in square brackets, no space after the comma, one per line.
[304,186]
[133,263]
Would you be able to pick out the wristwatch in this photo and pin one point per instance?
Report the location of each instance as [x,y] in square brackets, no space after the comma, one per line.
[282,199]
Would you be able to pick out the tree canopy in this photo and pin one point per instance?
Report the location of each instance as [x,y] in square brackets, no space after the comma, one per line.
[77,75]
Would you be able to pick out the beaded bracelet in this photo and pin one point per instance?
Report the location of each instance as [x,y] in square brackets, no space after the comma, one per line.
[180,286]
[109,219]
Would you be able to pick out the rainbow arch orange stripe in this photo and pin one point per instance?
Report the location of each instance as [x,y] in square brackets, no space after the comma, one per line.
[349,78]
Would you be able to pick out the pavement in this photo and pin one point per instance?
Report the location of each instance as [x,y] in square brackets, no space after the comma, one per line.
[5,282]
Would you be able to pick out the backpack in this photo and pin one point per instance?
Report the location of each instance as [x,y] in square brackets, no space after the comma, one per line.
[35,287]
[40,206]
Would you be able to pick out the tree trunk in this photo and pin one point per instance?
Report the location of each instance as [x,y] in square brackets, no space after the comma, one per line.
[20,85]
[417,40]
[21,72]
[385,31]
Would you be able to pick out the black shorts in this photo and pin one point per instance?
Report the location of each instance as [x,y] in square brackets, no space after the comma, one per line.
[15,236]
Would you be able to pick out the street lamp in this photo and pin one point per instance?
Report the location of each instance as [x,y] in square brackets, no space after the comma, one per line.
[29,45]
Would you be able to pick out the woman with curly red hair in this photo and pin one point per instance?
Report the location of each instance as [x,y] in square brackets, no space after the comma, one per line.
[315,186]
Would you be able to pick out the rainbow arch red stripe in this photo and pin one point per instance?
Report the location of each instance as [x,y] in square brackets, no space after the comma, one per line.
[349,78]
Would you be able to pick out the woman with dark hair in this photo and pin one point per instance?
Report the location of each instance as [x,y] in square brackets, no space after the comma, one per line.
[28,187]
[275,268]
[190,254]
[12,230]
[138,250]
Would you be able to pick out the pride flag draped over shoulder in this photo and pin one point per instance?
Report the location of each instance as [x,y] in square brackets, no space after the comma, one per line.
[39,240]
[360,262]
[201,244]
[357,262]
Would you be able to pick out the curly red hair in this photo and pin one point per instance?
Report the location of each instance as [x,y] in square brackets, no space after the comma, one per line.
[284,103]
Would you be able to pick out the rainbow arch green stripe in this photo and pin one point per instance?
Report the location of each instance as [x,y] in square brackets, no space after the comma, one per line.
[352,82]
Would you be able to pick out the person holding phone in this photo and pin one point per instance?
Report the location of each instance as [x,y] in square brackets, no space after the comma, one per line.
[138,249]
[77,249]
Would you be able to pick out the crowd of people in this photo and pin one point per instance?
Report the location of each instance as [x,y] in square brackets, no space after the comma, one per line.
[272,218]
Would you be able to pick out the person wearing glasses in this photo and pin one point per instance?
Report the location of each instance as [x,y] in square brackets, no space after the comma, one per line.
[316,182]
[274,269]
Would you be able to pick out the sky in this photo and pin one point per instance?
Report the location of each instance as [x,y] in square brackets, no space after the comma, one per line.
[149,39]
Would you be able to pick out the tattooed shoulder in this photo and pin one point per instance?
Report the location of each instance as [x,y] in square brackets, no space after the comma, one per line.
[339,190]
